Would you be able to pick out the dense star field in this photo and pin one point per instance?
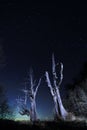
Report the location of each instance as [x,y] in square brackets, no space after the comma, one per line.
[29,34]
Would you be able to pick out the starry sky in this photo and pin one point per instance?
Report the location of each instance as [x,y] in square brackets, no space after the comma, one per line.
[29,33]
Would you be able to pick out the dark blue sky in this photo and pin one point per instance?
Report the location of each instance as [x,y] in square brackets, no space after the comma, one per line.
[29,33]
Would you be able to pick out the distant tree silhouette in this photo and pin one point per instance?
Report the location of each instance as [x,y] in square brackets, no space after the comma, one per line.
[76,99]
[5,110]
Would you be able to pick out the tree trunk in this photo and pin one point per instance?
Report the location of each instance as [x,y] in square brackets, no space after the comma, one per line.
[61,108]
[56,105]
[33,115]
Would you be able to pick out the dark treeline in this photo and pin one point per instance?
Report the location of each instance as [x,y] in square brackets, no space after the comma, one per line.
[76,97]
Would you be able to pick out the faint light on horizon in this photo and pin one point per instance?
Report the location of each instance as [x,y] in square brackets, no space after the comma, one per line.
[19,117]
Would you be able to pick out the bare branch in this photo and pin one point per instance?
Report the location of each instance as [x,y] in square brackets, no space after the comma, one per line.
[31,80]
[49,83]
[26,94]
[48,79]
[54,71]
[61,74]
[54,67]
[37,86]
[24,111]
[34,83]
[19,100]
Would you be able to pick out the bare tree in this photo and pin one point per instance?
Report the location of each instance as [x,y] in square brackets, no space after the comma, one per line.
[54,89]
[31,94]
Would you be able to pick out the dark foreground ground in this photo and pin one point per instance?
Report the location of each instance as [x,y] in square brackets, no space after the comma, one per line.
[48,125]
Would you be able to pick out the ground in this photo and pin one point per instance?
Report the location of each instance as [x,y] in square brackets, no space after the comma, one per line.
[44,125]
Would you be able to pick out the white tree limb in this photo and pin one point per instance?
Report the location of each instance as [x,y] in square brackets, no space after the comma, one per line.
[54,67]
[37,86]
[60,110]
[61,74]
[49,83]
[31,94]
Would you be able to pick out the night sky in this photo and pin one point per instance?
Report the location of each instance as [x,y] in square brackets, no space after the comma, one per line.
[29,33]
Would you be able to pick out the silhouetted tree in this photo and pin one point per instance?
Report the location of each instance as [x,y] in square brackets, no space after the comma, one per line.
[76,99]
[5,109]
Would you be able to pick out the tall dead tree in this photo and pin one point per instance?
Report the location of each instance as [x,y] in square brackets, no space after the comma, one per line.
[54,89]
[31,94]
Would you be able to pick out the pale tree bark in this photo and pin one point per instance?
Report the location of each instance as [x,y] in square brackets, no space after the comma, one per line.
[53,93]
[31,94]
[59,108]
